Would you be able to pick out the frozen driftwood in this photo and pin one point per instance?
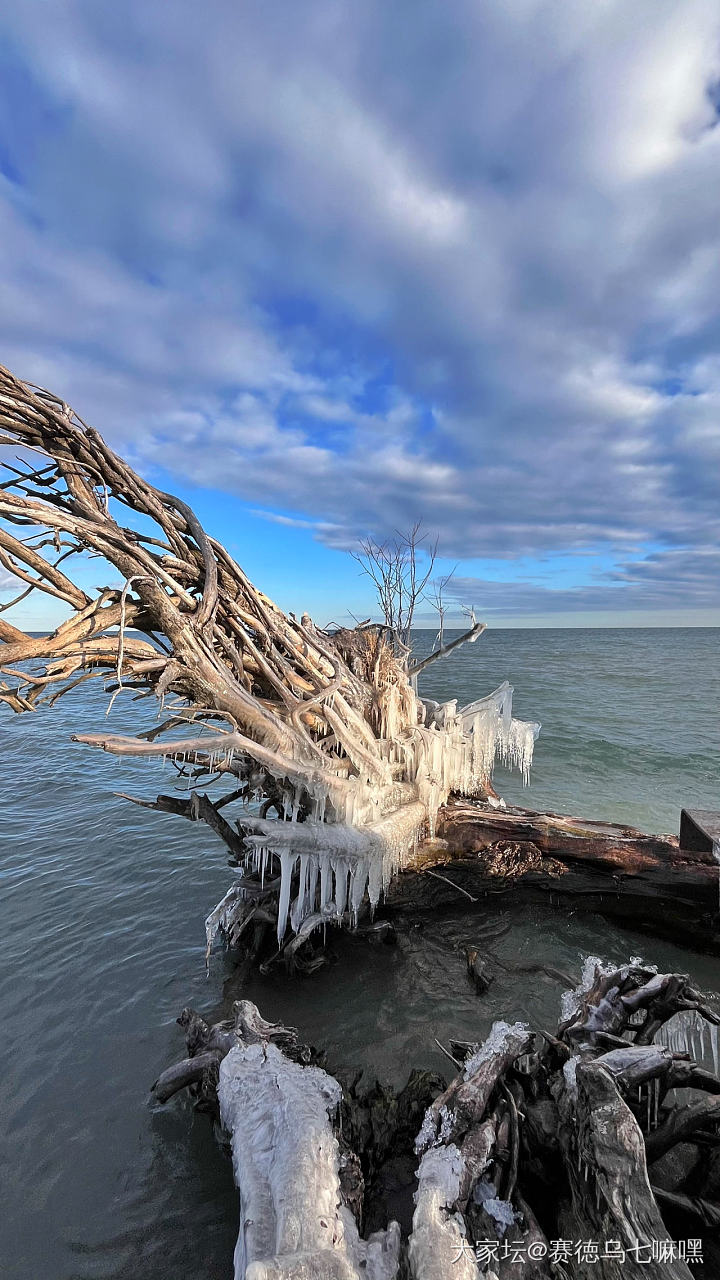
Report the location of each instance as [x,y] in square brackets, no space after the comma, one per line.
[294,1223]
[320,731]
[278,1110]
[308,753]
[605,1130]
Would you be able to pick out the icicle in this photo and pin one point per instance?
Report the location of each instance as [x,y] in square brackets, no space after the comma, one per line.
[300,908]
[287,864]
[358,882]
[312,884]
[341,886]
[325,880]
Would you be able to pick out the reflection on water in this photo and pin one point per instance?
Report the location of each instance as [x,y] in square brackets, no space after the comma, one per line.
[102,941]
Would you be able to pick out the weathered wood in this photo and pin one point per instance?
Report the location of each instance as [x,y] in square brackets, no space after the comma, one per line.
[535,1140]
[611,1195]
[324,729]
[699,830]
[644,881]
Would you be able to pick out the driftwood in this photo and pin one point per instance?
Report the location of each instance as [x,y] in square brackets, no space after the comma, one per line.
[547,1155]
[646,882]
[328,765]
[307,753]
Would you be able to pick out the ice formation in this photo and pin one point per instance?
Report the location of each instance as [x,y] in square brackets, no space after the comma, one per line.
[571,1001]
[357,838]
[438,1232]
[688,1032]
[286,1163]
[500,1034]
[438,1246]
[501,1211]
[336,865]
[361,829]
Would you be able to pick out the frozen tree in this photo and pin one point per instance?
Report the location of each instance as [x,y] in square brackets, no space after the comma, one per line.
[328,765]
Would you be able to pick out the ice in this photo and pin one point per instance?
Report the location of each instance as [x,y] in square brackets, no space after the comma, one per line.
[438,1246]
[502,1213]
[571,1001]
[569,1072]
[494,1044]
[287,864]
[496,735]
[222,916]
[688,1032]
[343,860]
[362,830]
[286,1162]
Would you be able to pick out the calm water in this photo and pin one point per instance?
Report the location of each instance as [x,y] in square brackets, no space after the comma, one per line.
[102,943]
[630,718]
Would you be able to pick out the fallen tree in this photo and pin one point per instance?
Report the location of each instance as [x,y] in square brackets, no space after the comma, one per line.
[329,773]
[330,769]
[549,1154]
[644,882]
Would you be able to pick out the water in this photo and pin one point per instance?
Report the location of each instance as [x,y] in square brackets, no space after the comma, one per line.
[630,718]
[101,911]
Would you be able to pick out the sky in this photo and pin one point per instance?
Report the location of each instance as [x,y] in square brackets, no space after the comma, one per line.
[326,269]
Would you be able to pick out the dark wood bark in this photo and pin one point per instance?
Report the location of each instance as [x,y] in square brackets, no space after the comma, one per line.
[646,882]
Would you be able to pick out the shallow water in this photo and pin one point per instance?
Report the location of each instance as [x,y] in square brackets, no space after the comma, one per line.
[101,930]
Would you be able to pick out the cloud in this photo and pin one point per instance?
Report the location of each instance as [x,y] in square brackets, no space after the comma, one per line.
[364,264]
[668,581]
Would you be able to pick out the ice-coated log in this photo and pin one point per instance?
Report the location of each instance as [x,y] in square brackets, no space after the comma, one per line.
[438,1246]
[377,821]
[463,1103]
[455,1142]
[293,1224]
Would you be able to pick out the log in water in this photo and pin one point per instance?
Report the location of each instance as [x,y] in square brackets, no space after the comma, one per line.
[539,1138]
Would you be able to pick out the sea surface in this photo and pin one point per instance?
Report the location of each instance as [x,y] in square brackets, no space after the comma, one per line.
[102,943]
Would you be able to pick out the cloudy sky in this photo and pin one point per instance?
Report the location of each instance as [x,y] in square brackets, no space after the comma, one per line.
[328,268]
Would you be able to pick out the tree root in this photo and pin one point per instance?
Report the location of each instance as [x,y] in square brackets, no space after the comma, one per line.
[540,1145]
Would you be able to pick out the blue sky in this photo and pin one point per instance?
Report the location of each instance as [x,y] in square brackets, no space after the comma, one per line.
[327,269]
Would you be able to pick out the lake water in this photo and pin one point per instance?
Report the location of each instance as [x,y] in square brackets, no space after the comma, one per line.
[101,938]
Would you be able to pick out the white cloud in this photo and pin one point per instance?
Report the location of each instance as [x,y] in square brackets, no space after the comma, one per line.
[231,224]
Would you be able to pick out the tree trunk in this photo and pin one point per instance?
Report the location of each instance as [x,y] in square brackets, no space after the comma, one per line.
[642,881]
[324,729]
